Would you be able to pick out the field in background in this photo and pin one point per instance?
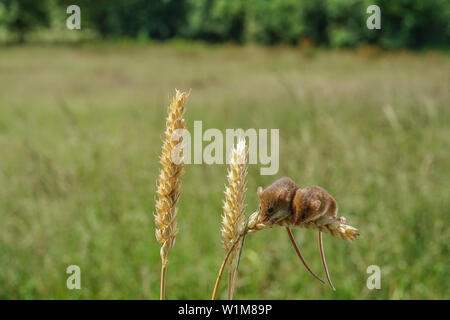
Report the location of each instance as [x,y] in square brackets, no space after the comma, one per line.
[80,132]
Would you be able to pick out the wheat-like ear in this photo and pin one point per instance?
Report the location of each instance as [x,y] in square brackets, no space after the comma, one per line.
[233,213]
[330,225]
[234,206]
[169,182]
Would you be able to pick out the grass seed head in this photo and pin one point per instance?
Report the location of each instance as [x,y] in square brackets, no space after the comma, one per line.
[234,206]
[169,182]
[332,226]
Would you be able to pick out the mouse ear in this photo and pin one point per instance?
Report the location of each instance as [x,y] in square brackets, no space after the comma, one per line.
[259,191]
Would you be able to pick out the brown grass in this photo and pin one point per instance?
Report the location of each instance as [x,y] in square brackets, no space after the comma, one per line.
[169,183]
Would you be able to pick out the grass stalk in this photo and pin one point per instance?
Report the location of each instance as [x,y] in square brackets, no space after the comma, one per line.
[234,206]
[222,268]
[169,182]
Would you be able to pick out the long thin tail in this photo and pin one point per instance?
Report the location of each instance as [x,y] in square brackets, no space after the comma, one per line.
[324,262]
[300,255]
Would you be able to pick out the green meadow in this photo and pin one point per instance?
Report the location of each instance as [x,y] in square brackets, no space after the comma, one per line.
[80,136]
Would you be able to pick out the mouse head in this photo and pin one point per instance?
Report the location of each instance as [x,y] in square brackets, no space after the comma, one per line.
[274,204]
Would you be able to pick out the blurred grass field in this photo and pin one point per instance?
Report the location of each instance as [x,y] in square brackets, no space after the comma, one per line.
[80,130]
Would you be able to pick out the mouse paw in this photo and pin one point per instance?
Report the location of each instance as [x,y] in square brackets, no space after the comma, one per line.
[342,220]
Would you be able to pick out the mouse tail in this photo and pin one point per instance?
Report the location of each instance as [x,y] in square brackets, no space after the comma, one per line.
[324,262]
[301,256]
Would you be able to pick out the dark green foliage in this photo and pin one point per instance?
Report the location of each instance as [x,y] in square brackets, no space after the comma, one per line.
[415,23]
[328,23]
[20,16]
[160,19]
[216,20]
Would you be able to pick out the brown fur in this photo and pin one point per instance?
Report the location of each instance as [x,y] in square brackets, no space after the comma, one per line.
[279,197]
[311,203]
[300,205]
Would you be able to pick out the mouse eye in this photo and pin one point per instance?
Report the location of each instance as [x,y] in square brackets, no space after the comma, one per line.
[270,210]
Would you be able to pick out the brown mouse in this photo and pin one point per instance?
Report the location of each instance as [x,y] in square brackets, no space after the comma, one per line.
[283,199]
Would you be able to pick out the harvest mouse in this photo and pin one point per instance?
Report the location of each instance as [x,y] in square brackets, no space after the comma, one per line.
[283,199]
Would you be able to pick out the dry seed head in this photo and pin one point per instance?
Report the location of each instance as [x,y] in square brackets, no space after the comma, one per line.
[332,226]
[234,207]
[169,182]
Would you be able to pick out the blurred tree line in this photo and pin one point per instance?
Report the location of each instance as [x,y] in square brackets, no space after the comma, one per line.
[327,23]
